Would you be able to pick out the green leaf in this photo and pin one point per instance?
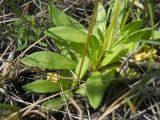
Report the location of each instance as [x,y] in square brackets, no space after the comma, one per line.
[57,103]
[49,60]
[7,111]
[59,18]
[100,36]
[84,67]
[66,84]
[81,90]
[67,34]
[151,42]
[9,107]
[108,75]
[156,35]
[131,46]
[94,49]
[138,35]
[132,27]
[114,55]
[122,12]
[53,104]
[95,89]
[42,86]
[100,22]
[77,47]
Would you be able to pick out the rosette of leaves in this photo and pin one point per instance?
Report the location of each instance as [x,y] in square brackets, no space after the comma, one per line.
[106,47]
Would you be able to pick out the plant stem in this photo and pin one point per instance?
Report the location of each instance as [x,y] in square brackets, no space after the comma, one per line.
[127,14]
[90,30]
[151,14]
[108,35]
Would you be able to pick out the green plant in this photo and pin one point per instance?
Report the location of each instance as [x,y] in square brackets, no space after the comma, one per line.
[8,110]
[95,52]
[24,29]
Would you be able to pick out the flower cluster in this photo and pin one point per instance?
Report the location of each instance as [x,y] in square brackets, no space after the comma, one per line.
[146,53]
